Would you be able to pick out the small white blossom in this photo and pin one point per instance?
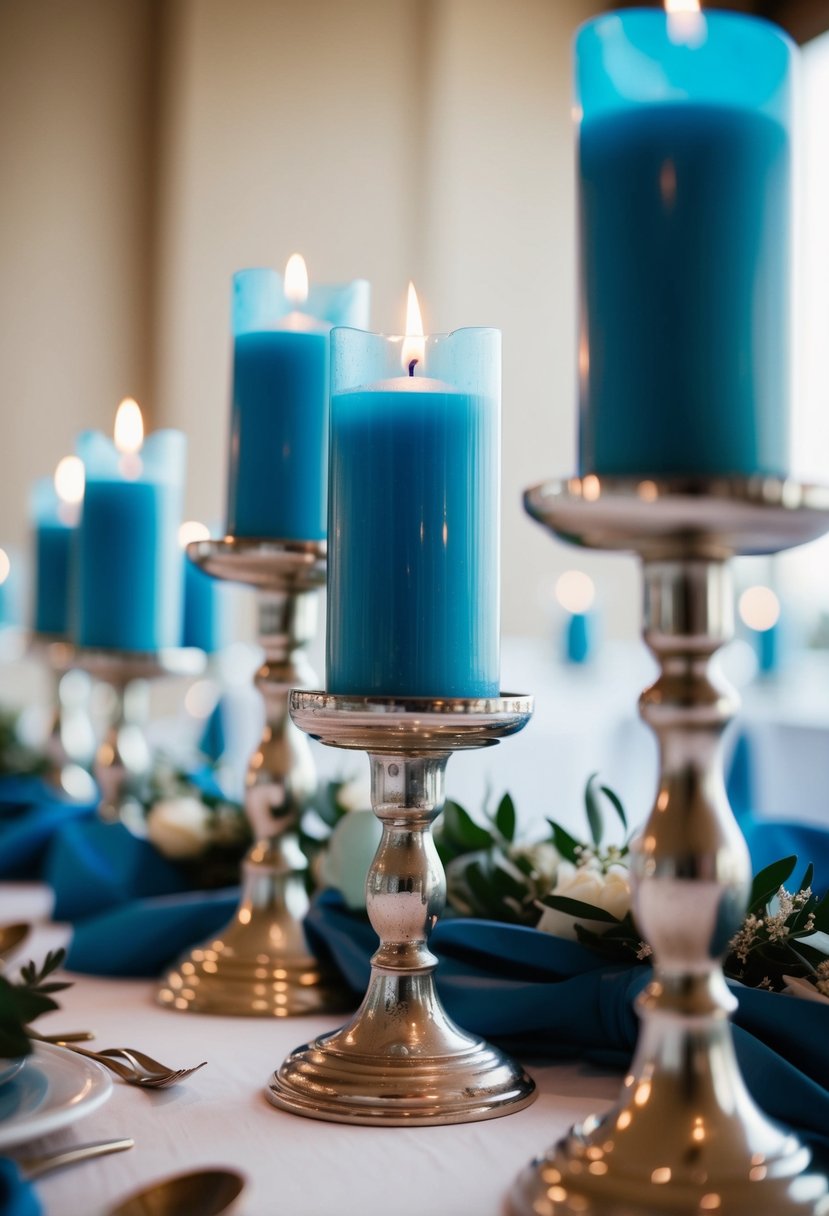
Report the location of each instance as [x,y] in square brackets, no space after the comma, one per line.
[822,978]
[742,941]
[644,951]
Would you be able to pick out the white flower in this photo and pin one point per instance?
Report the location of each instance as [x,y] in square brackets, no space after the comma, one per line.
[350,852]
[797,986]
[179,827]
[610,891]
[354,795]
[543,856]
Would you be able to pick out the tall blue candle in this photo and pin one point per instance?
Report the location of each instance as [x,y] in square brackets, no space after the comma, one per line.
[205,615]
[55,510]
[413,557]
[129,560]
[279,414]
[684,167]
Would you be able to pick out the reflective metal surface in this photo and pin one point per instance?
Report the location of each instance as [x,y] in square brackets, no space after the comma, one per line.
[70,739]
[199,1193]
[123,758]
[260,965]
[685,1137]
[401,1059]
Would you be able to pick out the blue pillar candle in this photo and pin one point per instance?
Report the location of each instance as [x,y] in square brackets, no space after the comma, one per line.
[279,414]
[575,593]
[9,597]
[129,560]
[413,556]
[684,168]
[56,506]
[205,615]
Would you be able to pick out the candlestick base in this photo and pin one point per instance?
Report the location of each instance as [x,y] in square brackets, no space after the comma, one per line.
[686,1137]
[260,964]
[123,759]
[402,1060]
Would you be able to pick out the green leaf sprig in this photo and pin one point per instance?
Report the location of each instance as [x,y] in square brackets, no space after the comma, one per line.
[26,999]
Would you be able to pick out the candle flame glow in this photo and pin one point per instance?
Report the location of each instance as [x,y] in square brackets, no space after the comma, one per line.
[414,344]
[5,566]
[759,608]
[686,24]
[575,591]
[129,427]
[69,480]
[296,280]
[191,530]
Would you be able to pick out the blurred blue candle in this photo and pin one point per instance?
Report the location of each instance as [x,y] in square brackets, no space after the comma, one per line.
[759,609]
[575,593]
[279,414]
[129,560]
[684,169]
[9,598]
[204,598]
[56,505]
[413,558]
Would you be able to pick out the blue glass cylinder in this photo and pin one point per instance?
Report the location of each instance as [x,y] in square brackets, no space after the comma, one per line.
[413,555]
[129,560]
[279,414]
[55,526]
[684,175]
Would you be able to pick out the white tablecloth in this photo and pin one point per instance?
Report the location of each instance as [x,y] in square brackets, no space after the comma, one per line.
[294,1166]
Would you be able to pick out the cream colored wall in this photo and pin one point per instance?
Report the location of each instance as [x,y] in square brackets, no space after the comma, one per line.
[383,138]
[73,215]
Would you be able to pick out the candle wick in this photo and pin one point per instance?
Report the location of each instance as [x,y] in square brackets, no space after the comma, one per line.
[412,366]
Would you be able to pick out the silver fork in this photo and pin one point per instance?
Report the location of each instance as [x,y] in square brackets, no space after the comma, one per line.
[142,1062]
[132,1073]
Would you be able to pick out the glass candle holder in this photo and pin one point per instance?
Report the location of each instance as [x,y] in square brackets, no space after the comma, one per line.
[413,563]
[279,414]
[129,560]
[684,174]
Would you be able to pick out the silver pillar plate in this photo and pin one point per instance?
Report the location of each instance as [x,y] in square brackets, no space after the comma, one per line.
[686,1138]
[402,1060]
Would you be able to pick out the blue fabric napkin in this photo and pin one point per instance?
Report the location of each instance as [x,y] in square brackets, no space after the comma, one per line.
[543,995]
[142,937]
[17,1197]
[92,866]
[31,812]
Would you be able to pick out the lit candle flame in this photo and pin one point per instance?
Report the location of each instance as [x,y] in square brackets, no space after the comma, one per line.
[129,427]
[69,480]
[575,591]
[759,608]
[5,566]
[296,280]
[414,344]
[191,530]
[686,25]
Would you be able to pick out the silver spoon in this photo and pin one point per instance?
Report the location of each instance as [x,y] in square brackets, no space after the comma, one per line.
[34,1167]
[199,1193]
[12,936]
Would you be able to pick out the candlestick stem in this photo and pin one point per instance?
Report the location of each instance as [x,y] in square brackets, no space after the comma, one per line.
[686,1136]
[260,964]
[401,1059]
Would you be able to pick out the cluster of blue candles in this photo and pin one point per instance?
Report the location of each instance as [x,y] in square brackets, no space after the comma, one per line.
[390,447]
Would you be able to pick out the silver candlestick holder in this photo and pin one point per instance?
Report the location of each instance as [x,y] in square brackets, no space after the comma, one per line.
[686,1137]
[70,737]
[123,758]
[260,964]
[401,1059]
